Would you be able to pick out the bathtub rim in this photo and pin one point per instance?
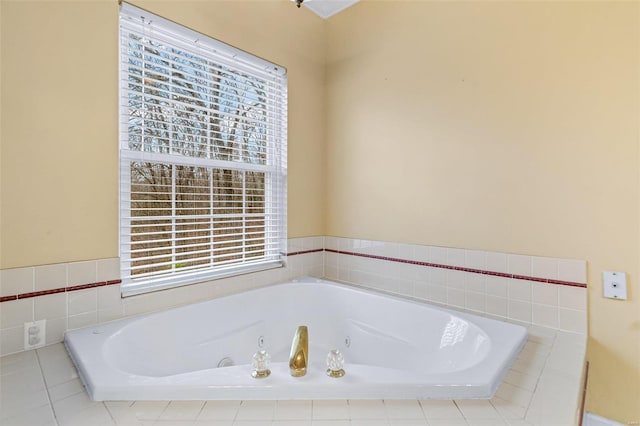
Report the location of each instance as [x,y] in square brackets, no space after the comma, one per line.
[265,391]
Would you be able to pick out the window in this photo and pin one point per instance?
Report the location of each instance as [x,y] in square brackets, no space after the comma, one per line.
[202,156]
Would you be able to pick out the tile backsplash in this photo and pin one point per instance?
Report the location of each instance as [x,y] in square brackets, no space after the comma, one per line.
[538,290]
[545,291]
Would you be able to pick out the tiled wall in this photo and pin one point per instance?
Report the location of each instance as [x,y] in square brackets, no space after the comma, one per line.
[538,290]
[75,295]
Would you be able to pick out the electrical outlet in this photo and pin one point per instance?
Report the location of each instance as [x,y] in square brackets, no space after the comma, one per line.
[35,334]
[615,284]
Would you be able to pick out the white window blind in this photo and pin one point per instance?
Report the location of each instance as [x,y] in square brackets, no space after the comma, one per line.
[202,156]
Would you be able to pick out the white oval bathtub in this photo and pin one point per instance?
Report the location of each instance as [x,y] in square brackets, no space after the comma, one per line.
[394,348]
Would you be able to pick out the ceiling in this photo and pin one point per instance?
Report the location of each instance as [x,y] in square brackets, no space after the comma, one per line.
[328,8]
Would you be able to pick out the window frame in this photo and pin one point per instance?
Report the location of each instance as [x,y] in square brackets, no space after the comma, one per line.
[274,167]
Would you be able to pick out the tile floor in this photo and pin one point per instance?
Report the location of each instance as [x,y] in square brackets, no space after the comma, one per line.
[41,388]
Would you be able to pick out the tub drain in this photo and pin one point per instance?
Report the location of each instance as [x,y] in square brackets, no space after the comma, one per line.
[225,362]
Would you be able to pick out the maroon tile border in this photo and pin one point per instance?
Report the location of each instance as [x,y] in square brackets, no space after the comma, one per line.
[460,268]
[58,290]
[296,253]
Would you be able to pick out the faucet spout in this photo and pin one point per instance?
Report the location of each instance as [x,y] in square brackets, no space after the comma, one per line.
[299,356]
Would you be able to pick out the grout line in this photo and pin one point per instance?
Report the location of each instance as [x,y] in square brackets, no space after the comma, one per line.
[46,386]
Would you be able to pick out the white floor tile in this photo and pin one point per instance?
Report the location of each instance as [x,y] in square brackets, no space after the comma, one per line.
[367,409]
[478,409]
[330,423]
[256,410]
[293,410]
[219,410]
[19,403]
[508,410]
[369,422]
[39,416]
[65,390]
[182,410]
[403,409]
[436,409]
[330,410]
[408,422]
[214,423]
[299,422]
[148,410]
[448,422]
[17,362]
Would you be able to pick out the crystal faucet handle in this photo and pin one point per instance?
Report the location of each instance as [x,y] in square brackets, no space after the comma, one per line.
[335,363]
[260,363]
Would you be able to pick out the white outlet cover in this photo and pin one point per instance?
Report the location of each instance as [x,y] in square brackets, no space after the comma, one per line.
[40,335]
[615,285]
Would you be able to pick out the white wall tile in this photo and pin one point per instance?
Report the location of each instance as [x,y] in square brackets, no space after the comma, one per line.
[519,264]
[109,297]
[48,277]
[313,243]
[331,243]
[456,257]
[573,320]
[106,315]
[51,306]
[475,301]
[546,294]
[455,279]
[572,270]
[572,297]
[16,281]
[437,293]
[455,297]
[545,315]
[475,259]
[544,267]
[496,262]
[81,273]
[438,255]
[108,269]
[519,290]
[405,251]
[82,320]
[422,253]
[519,310]
[496,286]
[294,245]
[11,340]
[82,301]
[439,276]
[55,330]
[475,282]
[496,306]
[16,312]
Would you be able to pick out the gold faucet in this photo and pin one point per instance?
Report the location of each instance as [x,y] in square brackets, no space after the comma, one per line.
[299,356]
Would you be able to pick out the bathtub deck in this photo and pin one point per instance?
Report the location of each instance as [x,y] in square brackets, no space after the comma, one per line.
[41,388]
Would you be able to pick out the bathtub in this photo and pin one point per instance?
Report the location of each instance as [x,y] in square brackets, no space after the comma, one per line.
[394,348]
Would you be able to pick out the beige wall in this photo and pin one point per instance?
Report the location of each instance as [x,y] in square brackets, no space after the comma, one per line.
[506,126]
[59,140]
[498,126]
